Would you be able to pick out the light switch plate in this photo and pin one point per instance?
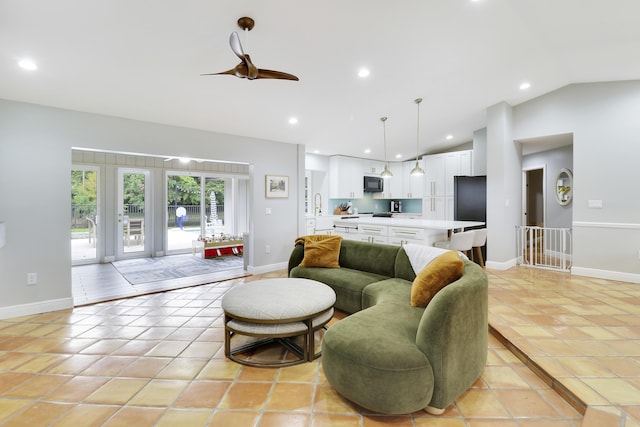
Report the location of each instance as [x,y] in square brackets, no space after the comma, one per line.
[594,204]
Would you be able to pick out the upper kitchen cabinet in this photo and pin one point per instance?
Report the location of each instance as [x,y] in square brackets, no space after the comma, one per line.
[372,167]
[440,170]
[393,185]
[413,186]
[346,177]
[456,163]
[434,175]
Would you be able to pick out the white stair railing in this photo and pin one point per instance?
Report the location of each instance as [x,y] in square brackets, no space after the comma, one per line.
[542,247]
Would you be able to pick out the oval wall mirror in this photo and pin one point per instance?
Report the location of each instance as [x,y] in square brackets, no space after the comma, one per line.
[564,187]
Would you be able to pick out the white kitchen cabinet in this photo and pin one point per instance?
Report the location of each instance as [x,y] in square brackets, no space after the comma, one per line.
[412,186]
[372,167]
[348,230]
[440,171]
[373,230]
[448,208]
[399,236]
[456,163]
[319,225]
[392,188]
[466,163]
[434,175]
[346,177]
[433,208]
[311,226]
[373,239]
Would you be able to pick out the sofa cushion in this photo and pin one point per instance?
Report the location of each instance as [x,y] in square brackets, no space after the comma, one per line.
[346,282]
[403,268]
[322,252]
[370,257]
[390,290]
[371,359]
[443,270]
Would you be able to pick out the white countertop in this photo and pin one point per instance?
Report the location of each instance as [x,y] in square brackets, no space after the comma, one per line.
[410,222]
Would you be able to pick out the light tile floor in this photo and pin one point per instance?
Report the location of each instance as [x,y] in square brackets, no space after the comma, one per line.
[581,334]
[158,360]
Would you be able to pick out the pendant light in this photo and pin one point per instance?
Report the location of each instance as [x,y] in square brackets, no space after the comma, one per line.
[386,173]
[417,171]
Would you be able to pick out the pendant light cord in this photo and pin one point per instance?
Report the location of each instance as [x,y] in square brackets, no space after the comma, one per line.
[384,138]
[418,101]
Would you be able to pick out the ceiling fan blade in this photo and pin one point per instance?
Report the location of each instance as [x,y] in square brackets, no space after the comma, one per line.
[270,74]
[236,46]
[239,70]
[253,70]
[232,72]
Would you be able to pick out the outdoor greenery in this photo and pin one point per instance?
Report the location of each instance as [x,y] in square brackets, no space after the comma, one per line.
[83,192]
[181,191]
[185,190]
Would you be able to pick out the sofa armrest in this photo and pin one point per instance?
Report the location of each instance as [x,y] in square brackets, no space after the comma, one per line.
[453,334]
[296,257]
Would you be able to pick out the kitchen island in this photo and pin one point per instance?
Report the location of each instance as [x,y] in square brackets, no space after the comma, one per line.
[399,230]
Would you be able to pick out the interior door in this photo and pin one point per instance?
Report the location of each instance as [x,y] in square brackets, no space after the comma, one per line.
[534,198]
[133,213]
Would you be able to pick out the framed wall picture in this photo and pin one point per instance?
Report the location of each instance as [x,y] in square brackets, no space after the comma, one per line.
[277,186]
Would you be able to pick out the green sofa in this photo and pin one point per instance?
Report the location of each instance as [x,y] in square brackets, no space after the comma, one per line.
[388,356]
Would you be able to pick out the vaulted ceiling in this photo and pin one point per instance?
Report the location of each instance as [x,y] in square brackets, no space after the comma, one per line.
[142,59]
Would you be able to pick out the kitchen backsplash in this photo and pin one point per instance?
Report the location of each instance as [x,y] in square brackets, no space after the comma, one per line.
[368,204]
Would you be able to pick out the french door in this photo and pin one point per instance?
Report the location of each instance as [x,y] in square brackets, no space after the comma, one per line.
[133,208]
[84,215]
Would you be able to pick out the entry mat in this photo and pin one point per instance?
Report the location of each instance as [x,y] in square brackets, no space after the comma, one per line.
[145,270]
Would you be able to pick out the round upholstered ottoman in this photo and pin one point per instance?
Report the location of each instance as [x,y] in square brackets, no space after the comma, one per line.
[277,310]
[371,358]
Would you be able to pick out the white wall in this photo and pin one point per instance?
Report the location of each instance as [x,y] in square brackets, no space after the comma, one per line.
[480,152]
[603,118]
[504,208]
[35,162]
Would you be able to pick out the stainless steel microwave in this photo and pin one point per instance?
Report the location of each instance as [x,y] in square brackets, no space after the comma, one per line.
[373,184]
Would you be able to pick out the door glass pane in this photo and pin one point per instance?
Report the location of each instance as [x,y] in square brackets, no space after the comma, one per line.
[133,211]
[214,194]
[84,204]
[184,218]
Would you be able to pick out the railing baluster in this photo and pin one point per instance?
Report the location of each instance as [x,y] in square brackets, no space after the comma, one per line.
[543,247]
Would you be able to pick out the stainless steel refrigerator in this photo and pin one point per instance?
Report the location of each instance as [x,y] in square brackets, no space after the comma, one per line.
[470,200]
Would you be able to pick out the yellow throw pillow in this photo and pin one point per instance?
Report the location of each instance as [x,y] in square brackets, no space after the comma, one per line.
[443,270]
[322,253]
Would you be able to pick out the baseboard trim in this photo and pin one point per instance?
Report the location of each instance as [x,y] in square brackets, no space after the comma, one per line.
[606,274]
[35,308]
[267,268]
[494,265]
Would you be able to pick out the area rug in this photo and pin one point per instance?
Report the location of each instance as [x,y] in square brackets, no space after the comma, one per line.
[145,270]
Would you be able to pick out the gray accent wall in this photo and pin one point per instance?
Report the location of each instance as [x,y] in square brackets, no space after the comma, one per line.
[557,215]
[35,191]
[603,118]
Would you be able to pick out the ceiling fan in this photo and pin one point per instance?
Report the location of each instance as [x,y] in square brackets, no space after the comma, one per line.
[246,69]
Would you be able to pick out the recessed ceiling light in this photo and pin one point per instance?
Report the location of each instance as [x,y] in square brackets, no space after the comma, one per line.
[316,151]
[367,150]
[525,86]
[398,156]
[27,64]
[449,137]
[184,160]
[293,120]
[363,72]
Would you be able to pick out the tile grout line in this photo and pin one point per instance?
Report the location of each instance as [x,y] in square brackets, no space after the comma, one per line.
[570,397]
